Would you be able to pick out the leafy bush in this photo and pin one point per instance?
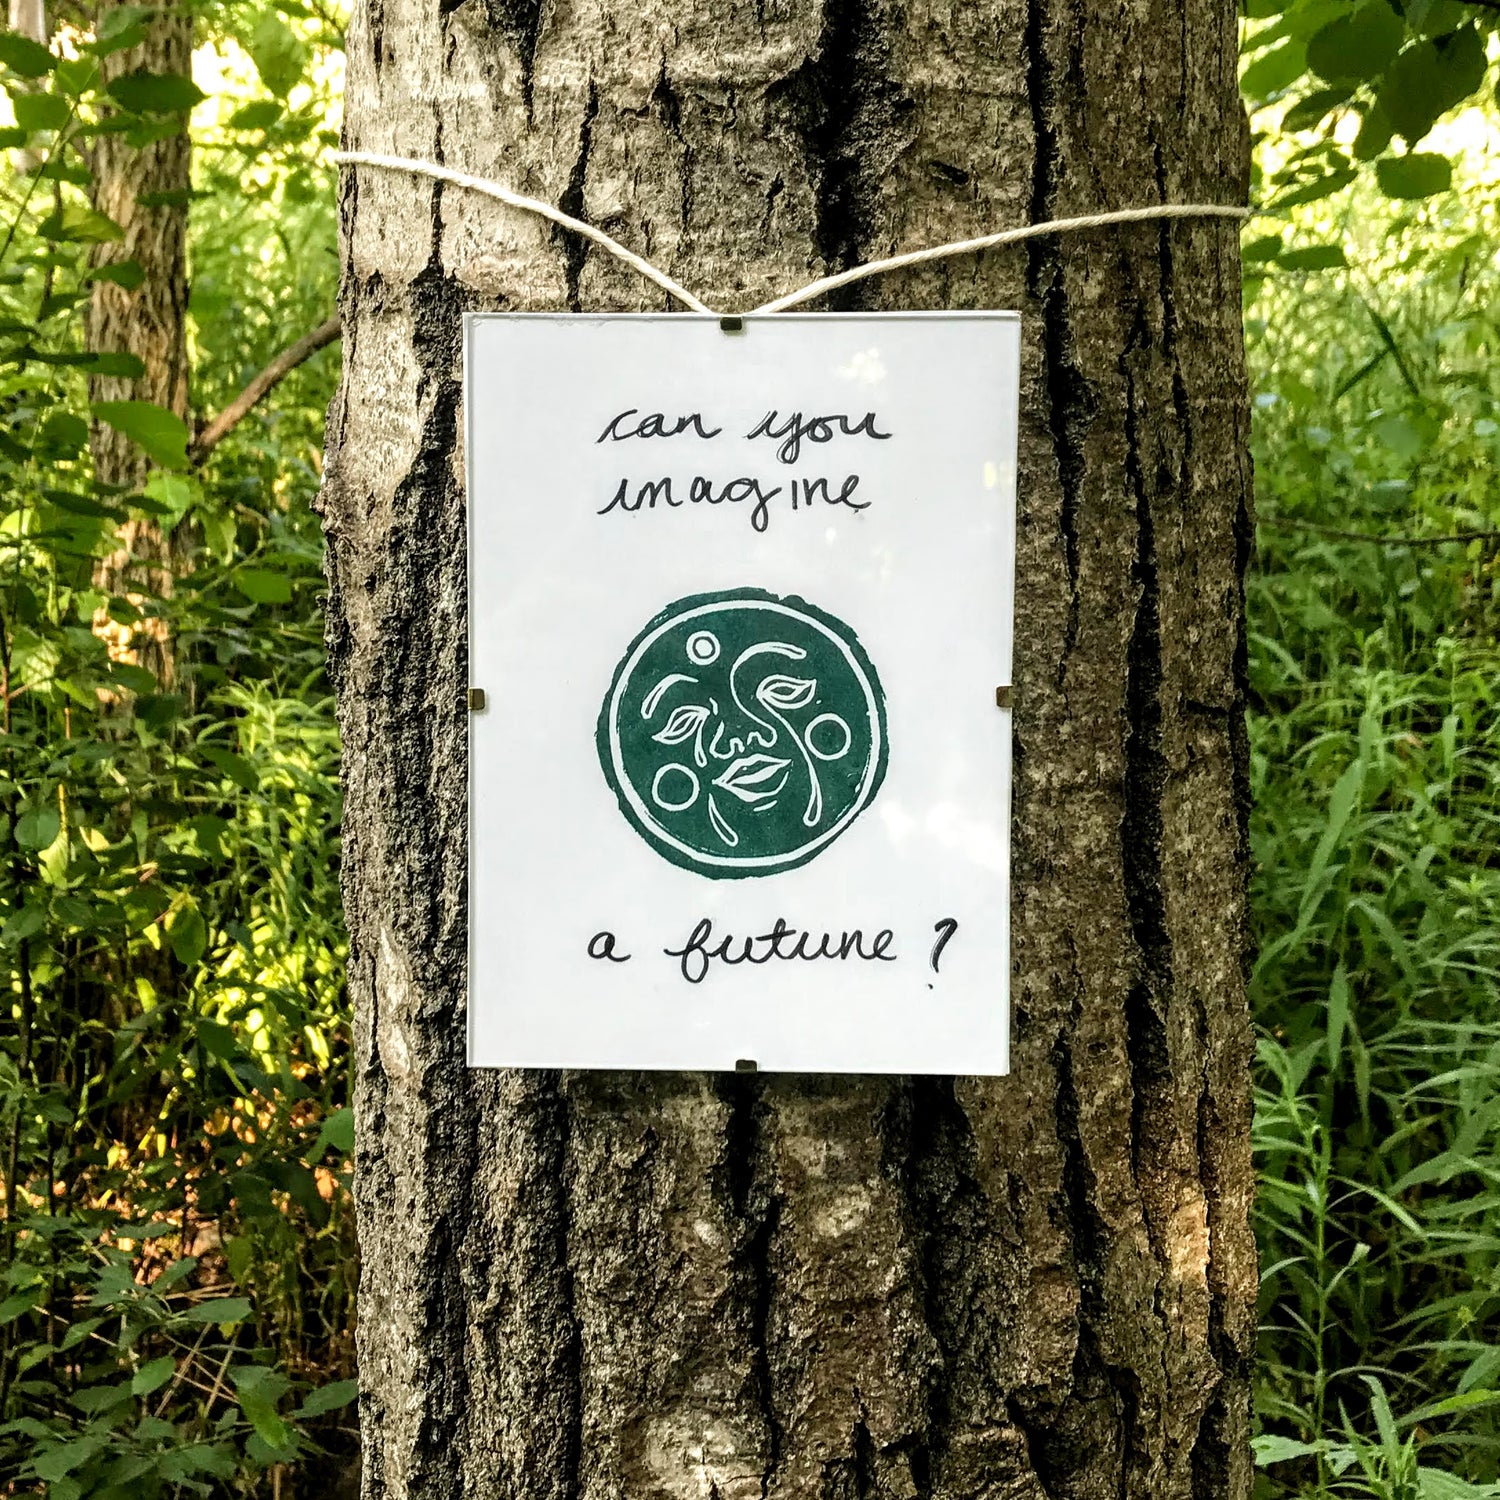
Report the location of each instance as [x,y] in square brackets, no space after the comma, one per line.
[176,1307]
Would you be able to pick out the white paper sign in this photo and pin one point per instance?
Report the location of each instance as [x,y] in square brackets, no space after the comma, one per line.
[739,603]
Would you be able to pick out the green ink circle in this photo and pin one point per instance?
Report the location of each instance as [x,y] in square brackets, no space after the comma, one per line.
[743,732]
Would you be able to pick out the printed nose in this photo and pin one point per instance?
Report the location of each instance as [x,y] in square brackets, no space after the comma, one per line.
[725,746]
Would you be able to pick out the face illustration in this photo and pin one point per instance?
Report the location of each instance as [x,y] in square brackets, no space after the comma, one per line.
[743,733]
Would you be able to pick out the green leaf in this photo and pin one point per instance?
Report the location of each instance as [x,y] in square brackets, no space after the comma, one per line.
[158,710]
[76,76]
[40,111]
[1357,47]
[1375,133]
[338,1132]
[132,678]
[1416,175]
[1267,247]
[145,93]
[219,533]
[219,1310]
[187,932]
[1320,187]
[1439,1484]
[1436,17]
[59,1462]
[83,227]
[25,923]
[124,1470]
[235,767]
[153,1376]
[259,1389]
[161,434]
[278,55]
[78,1332]
[24,57]
[62,431]
[1385,1422]
[155,1229]
[1312,109]
[1429,78]
[329,1398]
[1280,68]
[262,586]
[81,505]
[217,1040]
[38,827]
[1404,437]
[125,273]
[121,366]
[260,114]
[1272,1448]
[121,26]
[1463,63]
[176,493]
[101,1398]
[21,1303]
[1338,1014]
[170,198]
[179,1464]
[1314,258]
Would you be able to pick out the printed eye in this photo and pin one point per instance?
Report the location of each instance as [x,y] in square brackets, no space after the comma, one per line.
[683,723]
[787,692]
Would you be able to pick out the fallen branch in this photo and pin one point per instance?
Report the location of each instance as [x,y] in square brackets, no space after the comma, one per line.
[1284,523]
[275,372]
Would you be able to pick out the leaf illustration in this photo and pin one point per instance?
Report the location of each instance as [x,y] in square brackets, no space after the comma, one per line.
[786,692]
[682,724]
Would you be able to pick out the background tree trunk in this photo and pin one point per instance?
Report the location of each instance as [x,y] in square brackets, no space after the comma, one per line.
[648,1286]
[144,189]
[29,18]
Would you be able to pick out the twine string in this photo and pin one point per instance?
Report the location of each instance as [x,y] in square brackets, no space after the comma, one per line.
[813,289]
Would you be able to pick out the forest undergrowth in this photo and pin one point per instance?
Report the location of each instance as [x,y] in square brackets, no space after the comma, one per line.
[176,1309]
[1374,670]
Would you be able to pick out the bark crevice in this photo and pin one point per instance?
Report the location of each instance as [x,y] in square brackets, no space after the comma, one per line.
[575,249]
[1070,401]
[853,118]
[754,1210]
[520,21]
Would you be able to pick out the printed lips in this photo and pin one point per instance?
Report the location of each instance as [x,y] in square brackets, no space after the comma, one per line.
[753,778]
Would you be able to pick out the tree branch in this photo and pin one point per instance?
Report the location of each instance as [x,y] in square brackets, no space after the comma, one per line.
[275,372]
[1282,523]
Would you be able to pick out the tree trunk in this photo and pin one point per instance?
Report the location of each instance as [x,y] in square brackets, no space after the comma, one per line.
[626,1287]
[29,19]
[145,191]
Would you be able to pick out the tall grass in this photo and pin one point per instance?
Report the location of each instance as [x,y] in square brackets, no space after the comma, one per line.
[1376,833]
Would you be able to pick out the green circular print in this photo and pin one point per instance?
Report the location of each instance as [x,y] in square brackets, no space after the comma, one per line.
[743,732]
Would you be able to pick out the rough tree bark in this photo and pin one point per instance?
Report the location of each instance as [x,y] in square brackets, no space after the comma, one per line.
[651,1286]
[144,190]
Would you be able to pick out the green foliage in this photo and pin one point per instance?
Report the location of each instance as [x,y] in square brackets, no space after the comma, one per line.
[1376,777]
[177,1271]
[1335,85]
[162,435]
